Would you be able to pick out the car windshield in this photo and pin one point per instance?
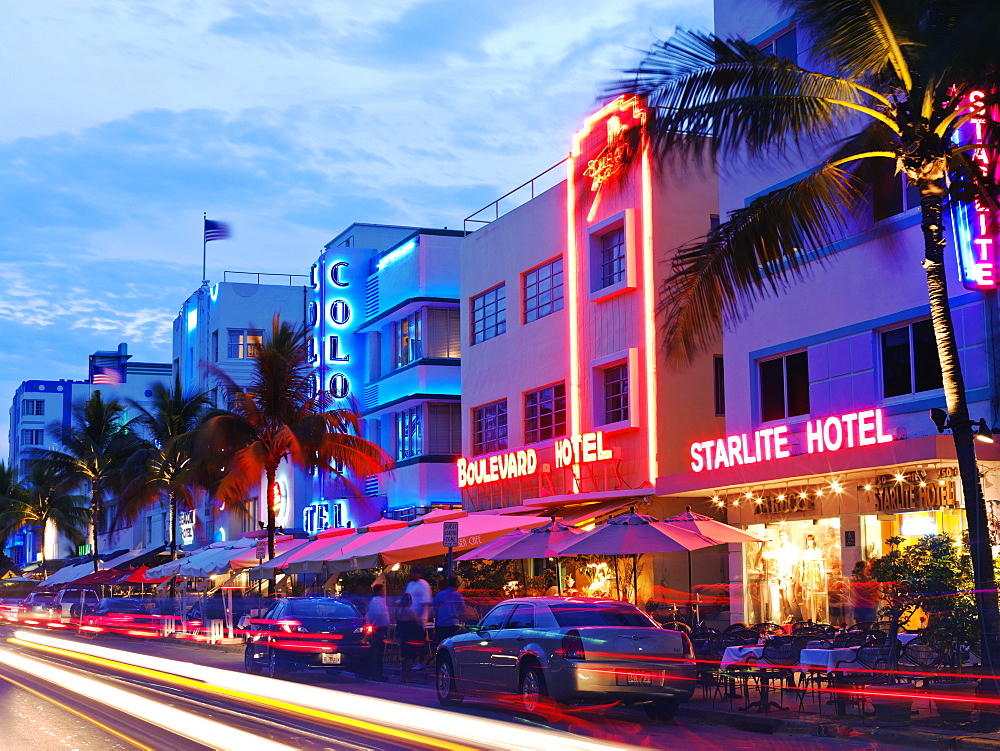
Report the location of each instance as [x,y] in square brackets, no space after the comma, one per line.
[322,609]
[571,614]
[42,599]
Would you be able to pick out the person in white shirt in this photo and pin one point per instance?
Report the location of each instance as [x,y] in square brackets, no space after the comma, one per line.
[420,595]
[378,617]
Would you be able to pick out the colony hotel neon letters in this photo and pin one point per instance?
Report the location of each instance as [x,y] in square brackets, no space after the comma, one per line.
[852,429]
[577,449]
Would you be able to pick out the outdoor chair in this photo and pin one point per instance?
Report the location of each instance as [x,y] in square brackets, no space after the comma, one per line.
[849,639]
[767,628]
[806,630]
[748,636]
[869,666]
[734,627]
[862,626]
[776,664]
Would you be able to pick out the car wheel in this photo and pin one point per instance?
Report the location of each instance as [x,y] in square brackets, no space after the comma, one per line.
[663,709]
[275,667]
[447,691]
[532,689]
[249,663]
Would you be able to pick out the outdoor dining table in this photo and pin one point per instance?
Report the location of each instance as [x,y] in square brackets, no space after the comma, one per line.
[739,655]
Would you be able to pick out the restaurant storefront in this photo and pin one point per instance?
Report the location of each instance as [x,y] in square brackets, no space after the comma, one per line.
[821,513]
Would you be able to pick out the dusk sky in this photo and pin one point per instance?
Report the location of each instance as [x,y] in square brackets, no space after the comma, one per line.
[124,121]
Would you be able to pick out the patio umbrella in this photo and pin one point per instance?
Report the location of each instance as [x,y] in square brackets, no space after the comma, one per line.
[633,534]
[711,528]
[483,552]
[318,561]
[326,541]
[539,542]
[425,540]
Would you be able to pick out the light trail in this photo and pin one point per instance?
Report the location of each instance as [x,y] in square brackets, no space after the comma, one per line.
[432,728]
[176,721]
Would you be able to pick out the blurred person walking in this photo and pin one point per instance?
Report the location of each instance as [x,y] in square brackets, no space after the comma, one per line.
[378,617]
[420,596]
[449,605]
[411,635]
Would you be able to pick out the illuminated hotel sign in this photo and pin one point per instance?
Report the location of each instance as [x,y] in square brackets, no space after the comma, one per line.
[975,232]
[316,517]
[623,131]
[864,428]
[577,449]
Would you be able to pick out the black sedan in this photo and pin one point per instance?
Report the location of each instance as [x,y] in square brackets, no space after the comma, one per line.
[304,633]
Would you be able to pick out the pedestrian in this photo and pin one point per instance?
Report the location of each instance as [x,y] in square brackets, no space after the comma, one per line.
[420,595]
[865,594]
[378,618]
[449,605]
[411,635]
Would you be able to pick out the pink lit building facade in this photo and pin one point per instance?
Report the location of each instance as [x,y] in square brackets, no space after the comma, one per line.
[566,404]
[827,449]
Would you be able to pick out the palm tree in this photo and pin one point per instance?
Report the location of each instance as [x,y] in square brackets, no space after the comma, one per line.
[12,492]
[163,464]
[899,93]
[280,416]
[95,447]
[45,503]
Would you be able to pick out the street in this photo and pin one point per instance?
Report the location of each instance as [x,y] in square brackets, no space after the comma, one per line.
[203,713]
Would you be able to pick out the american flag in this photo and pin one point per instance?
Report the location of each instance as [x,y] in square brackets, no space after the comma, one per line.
[216,230]
[107,377]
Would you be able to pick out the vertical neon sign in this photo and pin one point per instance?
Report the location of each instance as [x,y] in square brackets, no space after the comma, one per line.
[975,238]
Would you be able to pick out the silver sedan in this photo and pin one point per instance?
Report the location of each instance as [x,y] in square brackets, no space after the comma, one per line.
[573,650]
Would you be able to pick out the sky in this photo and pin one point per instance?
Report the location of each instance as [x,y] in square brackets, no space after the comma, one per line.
[124,121]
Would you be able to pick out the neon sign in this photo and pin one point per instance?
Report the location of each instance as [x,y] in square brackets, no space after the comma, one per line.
[316,517]
[581,449]
[623,127]
[864,428]
[497,467]
[975,237]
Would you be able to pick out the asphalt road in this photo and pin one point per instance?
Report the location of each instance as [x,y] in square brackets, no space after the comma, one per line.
[33,722]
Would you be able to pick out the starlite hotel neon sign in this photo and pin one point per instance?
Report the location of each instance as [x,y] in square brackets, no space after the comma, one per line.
[974,231]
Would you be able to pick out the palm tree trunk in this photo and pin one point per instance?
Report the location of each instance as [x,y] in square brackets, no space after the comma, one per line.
[961,426]
[173,526]
[95,517]
[272,485]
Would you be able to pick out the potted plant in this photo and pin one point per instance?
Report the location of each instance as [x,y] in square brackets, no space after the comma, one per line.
[954,699]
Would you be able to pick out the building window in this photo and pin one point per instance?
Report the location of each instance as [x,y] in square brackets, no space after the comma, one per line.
[33,408]
[784,387]
[545,413]
[489,428]
[719,382]
[215,346]
[489,314]
[443,337]
[910,360]
[245,343]
[444,428]
[408,433]
[32,437]
[784,45]
[406,345]
[612,257]
[616,393]
[543,290]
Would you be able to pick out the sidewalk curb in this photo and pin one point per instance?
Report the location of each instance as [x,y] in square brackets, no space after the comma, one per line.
[834,728]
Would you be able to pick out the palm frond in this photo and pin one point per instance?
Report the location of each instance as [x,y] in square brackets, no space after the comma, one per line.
[755,253]
[698,84]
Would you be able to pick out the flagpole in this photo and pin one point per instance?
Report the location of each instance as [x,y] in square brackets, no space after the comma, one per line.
[204,246]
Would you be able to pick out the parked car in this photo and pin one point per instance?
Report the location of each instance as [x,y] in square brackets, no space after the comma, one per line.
[572,650]
[75,603]
[302,633]
[121,615]
[36,608]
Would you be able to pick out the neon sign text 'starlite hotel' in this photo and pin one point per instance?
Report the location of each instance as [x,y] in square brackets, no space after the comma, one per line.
[974,229]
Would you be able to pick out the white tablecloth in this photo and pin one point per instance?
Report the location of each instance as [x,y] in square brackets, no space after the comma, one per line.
[736,655]
[825,659]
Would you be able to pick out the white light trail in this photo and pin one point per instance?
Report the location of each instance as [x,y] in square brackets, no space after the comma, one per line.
[451,726]
[177,721]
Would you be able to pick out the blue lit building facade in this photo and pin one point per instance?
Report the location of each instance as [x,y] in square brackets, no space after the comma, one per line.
[385,322]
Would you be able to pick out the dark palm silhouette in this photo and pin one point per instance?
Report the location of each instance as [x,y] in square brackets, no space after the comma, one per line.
[902,73]
[46,503]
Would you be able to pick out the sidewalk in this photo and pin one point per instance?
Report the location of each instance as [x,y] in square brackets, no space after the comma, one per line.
[924,730]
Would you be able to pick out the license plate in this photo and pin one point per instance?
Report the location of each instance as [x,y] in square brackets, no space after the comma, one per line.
[330,658]
[638,679]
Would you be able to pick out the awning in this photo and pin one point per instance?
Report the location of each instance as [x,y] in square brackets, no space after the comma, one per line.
[192,563]
[318,562]
[68,574]
[426,540]
[133,557]
[326,542]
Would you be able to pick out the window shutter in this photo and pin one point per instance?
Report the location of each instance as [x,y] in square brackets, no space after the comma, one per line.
[445,428]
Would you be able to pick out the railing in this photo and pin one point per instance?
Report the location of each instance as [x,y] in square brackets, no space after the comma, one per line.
[478,217]
[289,277]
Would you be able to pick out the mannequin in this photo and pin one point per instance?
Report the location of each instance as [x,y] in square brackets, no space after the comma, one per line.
[812,582]
[756,582]
[782,562]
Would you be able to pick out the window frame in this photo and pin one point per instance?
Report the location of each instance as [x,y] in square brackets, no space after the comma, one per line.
[478,442]
[479,326]
[411,445]
[34,410]
[624,221]
[529,302]
[535,435]
[243,344]
[786,411]
[912,360]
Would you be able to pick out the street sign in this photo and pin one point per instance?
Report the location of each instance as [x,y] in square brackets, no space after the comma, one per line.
[451,534]
[261,549]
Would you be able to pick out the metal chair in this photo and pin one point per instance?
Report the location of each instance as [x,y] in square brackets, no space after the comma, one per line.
[775,664]
[869,666]
[849,639]
[767,628]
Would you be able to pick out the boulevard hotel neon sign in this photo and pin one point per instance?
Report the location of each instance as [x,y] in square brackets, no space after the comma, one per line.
[864,428]
[578,449]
